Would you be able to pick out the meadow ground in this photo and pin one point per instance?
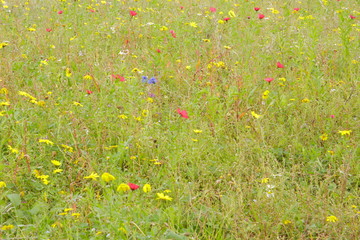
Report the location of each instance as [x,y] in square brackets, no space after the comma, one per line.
[175,119]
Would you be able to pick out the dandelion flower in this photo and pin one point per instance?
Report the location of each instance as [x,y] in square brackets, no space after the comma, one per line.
[345,132]
[162,196]
[92,176]
[123,187]
[332,219]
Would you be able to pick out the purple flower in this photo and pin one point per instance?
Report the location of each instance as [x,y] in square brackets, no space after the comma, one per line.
[152,80]
[144,79]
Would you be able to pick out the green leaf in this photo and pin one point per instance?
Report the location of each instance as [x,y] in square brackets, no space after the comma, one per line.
[14,198]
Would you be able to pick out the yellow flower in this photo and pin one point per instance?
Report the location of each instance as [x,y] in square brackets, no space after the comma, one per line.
[67,148]
[92,176]
[265,180]
[162,196]
[58,170]
[286,222]
[147,188]
[206,40]
[135,70]
[232,13]
[13,150]
[255,115]
[48,142]
[122,116]
[332,219]
[68,72]
[3,44]
[56,163]
[163,28]
[123,188]
[2,184]
[305,100]
[7,227]
[324,137]
[345,132]
[78,104]
[107,177]
[265,94]
[197,131]
[5,103]
[193,24]
[227,47]
[75,214]
[87,77]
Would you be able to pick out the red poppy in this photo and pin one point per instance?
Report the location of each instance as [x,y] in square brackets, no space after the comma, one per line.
[182,113]
[269,79]
[92,10]
[279,65]
[212,9]
[117,76]
[226,19]
[48,29]
[60,12]
[158,50]
[89,92]
[256,8]
[181,7]
[133,186]
[133,13]
[173,33]
[352,17]
[296,9]
[261,16]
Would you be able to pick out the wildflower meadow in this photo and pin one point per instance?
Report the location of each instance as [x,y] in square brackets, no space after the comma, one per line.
[170,119]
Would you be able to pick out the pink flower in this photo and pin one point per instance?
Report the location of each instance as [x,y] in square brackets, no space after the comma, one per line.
[352,17]
[173,33]
[182,113]
[48,29]
[296,9]
[89,92]
[117,76]
[212,9]
[60,12]
[256,8]
[332,116]
[133,186]
[279,65]
[226,19]
[269,79]
[133,13]
[261,16]
[158,50]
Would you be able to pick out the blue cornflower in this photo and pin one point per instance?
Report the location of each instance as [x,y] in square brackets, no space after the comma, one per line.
[152,80]
[144,79]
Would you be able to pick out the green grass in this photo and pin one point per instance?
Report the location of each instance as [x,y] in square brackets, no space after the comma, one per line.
[277,166]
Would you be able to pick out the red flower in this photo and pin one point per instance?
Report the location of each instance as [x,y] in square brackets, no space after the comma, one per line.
[182,113]
[173,33]
[117,76]
[60,12]
[261,16]
[133,13]
[212,9]
[226,19]
[133,186]
[296,9]
[89,92]
[158,50]
[48,29]
[256,8]
[279,65]
[269,79]
[92,10]
[181,7]
[352,17]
